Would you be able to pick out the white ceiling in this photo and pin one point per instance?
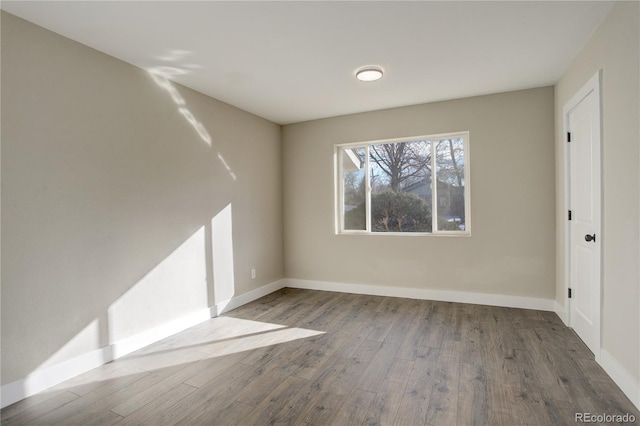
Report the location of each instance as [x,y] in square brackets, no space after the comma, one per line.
[294,61]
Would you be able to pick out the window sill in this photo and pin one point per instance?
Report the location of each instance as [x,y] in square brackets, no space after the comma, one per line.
[407,234]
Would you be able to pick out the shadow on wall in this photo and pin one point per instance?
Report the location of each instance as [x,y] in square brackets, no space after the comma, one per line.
[138,257]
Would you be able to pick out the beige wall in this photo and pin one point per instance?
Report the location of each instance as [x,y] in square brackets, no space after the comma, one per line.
[614,48]
[511,250]
[108,197]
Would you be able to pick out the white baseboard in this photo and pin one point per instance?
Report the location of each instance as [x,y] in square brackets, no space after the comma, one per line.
[140,340]
[427,294]
[42,379]
[562,313]
[250,296]
[611,366]
[621,376]
[45,378]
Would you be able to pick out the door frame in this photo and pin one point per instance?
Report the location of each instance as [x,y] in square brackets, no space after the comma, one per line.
[592,86]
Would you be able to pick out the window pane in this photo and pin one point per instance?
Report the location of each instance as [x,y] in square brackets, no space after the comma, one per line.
[354,188]
[450,189]
[400,179]
[391,187]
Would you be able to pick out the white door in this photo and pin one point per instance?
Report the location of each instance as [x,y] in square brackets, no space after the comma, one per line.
[582,116]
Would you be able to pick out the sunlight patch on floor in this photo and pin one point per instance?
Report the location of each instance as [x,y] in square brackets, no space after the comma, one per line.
[218,337]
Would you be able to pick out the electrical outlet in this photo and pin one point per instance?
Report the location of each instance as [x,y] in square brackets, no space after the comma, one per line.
[253,273]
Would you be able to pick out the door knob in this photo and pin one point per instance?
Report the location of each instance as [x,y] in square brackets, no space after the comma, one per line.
[590,238]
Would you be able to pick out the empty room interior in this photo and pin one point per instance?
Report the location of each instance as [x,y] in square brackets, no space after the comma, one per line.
[313,213]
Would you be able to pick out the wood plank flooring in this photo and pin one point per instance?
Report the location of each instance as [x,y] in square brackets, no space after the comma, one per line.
[300,357]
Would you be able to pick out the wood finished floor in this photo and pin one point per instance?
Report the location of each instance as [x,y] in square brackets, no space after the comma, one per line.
[303,357]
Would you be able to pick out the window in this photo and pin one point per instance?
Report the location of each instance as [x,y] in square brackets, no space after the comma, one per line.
[387,186]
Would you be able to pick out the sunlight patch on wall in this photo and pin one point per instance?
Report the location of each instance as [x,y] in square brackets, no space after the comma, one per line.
[176,286]
[162,75]
[88,339]
[226,166]
[222,250]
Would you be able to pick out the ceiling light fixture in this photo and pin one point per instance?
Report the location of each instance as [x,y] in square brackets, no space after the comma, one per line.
[369,73]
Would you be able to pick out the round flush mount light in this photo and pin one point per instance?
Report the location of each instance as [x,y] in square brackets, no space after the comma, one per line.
[369,73]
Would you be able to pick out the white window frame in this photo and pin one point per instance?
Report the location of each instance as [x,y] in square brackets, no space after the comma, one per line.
[339,186]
